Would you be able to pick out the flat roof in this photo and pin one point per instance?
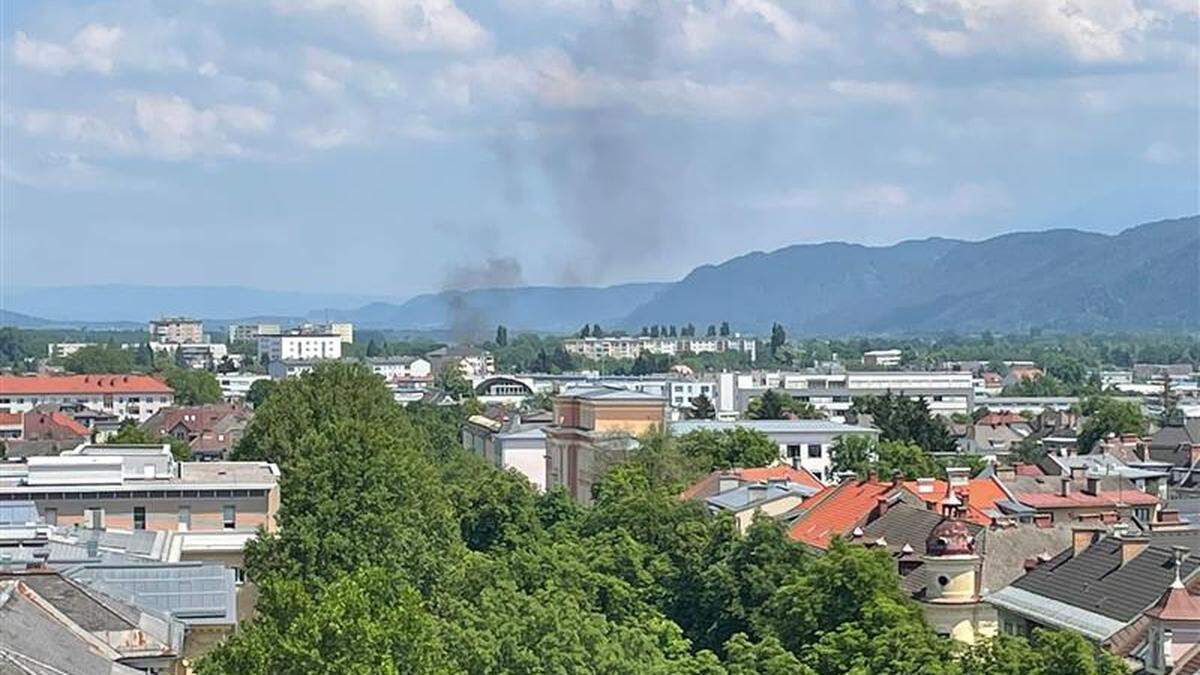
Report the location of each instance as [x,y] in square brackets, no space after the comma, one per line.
[772,426]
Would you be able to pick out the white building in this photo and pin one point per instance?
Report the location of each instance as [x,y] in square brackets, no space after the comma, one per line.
[681,392]
[630,347]
[343,330]
[883,358]
[802,443]
[251,331]
[135,397]
[237,385]
[946,392]
[393,368]
[195,354]
[299,346]
[61,350]
[177,329]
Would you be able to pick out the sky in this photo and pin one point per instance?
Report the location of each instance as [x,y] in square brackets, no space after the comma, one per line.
[389,147]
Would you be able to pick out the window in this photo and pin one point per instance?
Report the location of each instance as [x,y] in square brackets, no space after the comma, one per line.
[185,518]
[1142,514]
[139,517]
[229,516]
[814,450]
[50,516]
[793,451]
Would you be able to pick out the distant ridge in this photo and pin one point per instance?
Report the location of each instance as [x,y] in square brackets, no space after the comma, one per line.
[1144,278]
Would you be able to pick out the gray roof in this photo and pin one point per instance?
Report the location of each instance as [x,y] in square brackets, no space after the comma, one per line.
[1096,581]
[18,513]
[194,593]
[1055,612]
[905,524]
[743,497]
[611,393]
[771,426]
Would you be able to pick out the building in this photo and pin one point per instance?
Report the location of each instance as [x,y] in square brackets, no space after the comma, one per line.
[294,346]
[195,354]
[250,331]
[177,329]
[594,429]
[773,491]
[509,444]
[681,392]
[211,431]
[61,350]
[945,392]
[235,386]
[625,347]
[399,368]
[475,364]
[135,397]
[802,443]
[42,431]
[219,505]
[882,358]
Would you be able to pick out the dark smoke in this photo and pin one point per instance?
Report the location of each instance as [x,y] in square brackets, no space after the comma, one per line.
[471,319]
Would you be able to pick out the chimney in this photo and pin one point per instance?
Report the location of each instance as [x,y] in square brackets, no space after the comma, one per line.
[727,481]
[1078,471]
[1093,486]
[1168,645]
[897,479]
[1110,517]
[1132,546]
[1083,535]
[958,476]
[881,504]
[925,486]
[1006,472]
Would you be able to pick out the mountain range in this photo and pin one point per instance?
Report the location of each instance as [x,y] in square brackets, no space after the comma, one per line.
[1145,277]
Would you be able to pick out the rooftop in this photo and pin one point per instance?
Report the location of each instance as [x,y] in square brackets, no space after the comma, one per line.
[837,510]
[82,384]
[772,426]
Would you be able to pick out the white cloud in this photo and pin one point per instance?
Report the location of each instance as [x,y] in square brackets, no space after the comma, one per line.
[93,49]
[881,92]
[323,139]
[408,25]
[173,128]
[1159,152]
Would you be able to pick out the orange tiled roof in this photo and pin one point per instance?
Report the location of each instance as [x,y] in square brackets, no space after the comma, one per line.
[836,511]
[1053,500]
[1002,418]
[82,384]
[68,422]
[983,494]
[707,486]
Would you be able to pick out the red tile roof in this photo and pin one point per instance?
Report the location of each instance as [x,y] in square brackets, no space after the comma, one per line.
[82,384]
[982,494]
[1053,500]
[1177,604]
[707,486]
[67,422]
[1001,418]
[836,511]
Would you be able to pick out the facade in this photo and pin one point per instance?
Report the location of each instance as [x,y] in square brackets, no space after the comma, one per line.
[594,429]
[134,397]
[344,331]
[632,347]
[235,386]
[251,331]
[511,444]
[883,358]
[194,354]
[946,392]
[474,364]
[681,392]
[177,329]
[299,346]
[802,443]
[393,368]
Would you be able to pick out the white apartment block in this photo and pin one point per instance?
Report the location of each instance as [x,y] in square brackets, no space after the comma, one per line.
[195,354]
[134,397]
[681,392]
[632,347]
[399,367]
[237,385]
[300,346]
[946,392]
[882,358]
[251,331]
[177,329]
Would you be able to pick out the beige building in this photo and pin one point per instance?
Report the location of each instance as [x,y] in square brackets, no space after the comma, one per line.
[594,429]
[177,329]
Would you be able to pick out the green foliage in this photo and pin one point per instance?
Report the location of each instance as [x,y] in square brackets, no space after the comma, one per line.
[450,379]
[860,454]
[728,448]
[778,405]
[1107,415]
[132,434]
[259,391]
[1050,652]
[193,387]
[900,418]
[702,408]
[1039,385]
[102,358]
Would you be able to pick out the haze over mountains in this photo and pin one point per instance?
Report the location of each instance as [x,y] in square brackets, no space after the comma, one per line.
[1146,277]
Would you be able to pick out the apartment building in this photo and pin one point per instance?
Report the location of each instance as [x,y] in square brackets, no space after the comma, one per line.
[177,329]
[251,331]
[296,346]
[630,347]
[946,392]
[594,429]
[134,397]
[882,358]
[393,368]
[235,386]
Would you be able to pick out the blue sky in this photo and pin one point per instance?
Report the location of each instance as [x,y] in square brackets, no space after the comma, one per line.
[395,146]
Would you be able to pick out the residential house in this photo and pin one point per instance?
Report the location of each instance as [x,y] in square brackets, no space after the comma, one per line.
[510,443]
[475,364]
[802,443]
[297,345]
[745,493]
[134,397]
[592,430]
[211,431]
[400,368]
[999,431]
[1065,497]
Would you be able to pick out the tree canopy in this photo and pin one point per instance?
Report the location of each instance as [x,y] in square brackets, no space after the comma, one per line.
[776,404]
[900,418]
[193,386]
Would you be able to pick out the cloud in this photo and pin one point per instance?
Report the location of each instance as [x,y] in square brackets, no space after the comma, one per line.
[1159,152]
[882,92]
[173,128]
[92,49]
[893,201]
[407,25]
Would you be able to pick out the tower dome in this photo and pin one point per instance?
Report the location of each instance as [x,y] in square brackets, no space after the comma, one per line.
[951,537]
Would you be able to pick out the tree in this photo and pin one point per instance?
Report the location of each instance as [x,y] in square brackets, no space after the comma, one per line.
[1107,415]
[725,329]
[596,331]
[501,336]
[777,405]
[645,332]
[95,359]
[450,379]
[900,418]
[373,349]
[1049,652]
[672,331]
[778,339]
[728,448]
[586,331]
[132,434]
[194,387]
[260,390]
[702,408]
[861,455]
[711,331]
[654,331]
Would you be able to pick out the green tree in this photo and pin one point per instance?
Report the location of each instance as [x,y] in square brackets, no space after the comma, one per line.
[725,332]
[1049,652]
[900,418]
[860,454]
[501,336]
[586,331]
[450,379]
[102,358]
[193,387]
[711,331]
[132,434]
[728,448]
[777,405]
[778,339]
[1107,415]
[259,391]
[702,408]
[596,331]
[373,349]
